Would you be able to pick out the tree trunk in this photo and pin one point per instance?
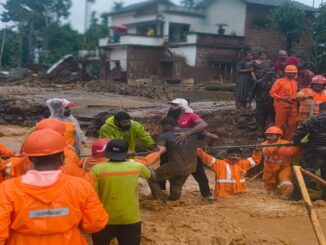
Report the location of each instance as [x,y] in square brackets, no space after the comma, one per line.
[30,43]
[20,51]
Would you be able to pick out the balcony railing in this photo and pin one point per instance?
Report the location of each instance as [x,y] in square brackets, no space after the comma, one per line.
[130,39]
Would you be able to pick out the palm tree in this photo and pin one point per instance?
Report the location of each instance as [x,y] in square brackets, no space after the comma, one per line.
[117,5]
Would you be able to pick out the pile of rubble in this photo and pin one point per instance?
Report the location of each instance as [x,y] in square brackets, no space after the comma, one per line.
[158,92]
[19,112]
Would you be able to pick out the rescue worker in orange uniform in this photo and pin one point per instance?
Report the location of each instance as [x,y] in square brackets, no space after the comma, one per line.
[277,168]
[311,97]
[72,163]
[4,152]
[284,92]
[18,166]
[98,156]
[46,206]
[230,173]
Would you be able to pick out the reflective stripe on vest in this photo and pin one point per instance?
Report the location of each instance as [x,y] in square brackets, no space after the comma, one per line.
[271,159]
[228,178]
[305,105]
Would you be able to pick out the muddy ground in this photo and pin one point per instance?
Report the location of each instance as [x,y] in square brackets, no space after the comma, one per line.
[252,218]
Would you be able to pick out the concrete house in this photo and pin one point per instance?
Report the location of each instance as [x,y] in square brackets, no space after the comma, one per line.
[175,44]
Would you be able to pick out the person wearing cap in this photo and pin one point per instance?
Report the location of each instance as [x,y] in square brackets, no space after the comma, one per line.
[46,206]
[314,153]
[121,126]
[283,61]
[60,109]
[230,172]
[311,97]
[277,166]
[264,102]
[284,91]
[181,162]
[116,185]
[98,156]
[186,118]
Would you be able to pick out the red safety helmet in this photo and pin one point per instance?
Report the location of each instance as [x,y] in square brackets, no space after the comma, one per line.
[274,130]
[319,79]
[98,148]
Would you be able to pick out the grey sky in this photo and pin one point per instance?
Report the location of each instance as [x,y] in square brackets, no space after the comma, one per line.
[78,9]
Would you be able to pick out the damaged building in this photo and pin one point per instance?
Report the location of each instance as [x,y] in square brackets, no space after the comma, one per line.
[163,41]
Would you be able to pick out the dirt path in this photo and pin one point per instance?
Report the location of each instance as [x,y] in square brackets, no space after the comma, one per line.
[252,218]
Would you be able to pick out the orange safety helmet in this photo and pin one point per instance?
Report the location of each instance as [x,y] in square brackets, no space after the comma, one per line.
[288,151]
[98,148]
[274,130]
[318,79]
[44,142]
[291,69]
[51,123]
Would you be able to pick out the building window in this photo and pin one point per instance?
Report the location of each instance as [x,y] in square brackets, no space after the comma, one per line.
[261,23]
[178,32]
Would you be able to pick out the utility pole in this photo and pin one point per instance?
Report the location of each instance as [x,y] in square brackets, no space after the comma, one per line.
[313,3]
[2,45]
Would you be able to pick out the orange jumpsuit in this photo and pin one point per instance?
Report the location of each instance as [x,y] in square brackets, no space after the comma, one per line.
[17,166]
[91,161]
[286,112]
[306,103]
[4,151]
[49,215]
[229,178]
[277,169]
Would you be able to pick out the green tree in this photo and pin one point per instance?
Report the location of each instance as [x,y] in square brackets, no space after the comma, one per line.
[96,30]
[11,54]
[289,20]
[190,3]
[117,5]
[319,49]
[32,19]
[62,40]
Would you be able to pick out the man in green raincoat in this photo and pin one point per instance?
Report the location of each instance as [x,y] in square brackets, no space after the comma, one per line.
[120,126]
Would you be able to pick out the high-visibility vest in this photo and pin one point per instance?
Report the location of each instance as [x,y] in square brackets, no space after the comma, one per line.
[272,157]
[70,133]
[305,105]
[229,178]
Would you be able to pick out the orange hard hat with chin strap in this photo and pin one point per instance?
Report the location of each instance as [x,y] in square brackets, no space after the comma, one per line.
[274,130]
[44,142]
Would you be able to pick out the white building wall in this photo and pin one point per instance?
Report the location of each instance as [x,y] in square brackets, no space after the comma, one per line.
[129,18]
[230,12]
[188,52]
[119,53]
